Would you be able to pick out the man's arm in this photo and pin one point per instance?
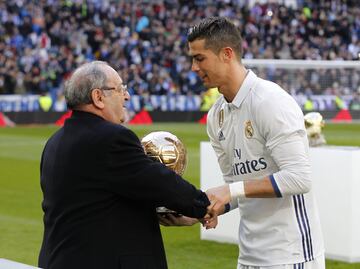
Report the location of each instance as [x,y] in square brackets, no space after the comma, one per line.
[222,195]
[132,174]
[293,177]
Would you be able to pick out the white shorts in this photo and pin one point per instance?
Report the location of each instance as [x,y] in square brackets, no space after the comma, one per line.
[317,263]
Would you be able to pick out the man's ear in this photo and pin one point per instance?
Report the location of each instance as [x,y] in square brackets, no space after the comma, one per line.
[227,54]
[97,97]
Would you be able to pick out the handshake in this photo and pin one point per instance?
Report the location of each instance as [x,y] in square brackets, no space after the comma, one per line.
[219,198]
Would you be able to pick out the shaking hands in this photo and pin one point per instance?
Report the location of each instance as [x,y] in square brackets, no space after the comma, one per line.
[219,198]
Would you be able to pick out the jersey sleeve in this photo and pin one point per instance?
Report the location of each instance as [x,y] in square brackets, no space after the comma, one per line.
[284,132]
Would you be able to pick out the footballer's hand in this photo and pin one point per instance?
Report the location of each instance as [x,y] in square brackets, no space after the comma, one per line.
[219,197]
[170,219]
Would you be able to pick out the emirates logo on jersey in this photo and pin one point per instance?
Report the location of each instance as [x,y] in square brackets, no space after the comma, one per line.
[249,131]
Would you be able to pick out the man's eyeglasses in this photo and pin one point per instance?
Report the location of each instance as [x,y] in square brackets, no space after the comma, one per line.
[121,89]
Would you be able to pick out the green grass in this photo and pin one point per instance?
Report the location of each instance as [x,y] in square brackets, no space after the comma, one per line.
[343,134]
[20,196]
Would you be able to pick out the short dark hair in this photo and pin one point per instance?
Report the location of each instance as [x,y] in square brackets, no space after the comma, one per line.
[218,33]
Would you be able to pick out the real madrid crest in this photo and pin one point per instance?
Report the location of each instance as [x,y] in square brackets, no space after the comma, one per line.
[249,131]
[221,117]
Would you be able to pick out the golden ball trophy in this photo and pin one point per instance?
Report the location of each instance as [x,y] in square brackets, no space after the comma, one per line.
[314,124]
[166,148]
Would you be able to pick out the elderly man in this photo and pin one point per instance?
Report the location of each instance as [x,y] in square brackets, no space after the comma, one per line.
[100,189]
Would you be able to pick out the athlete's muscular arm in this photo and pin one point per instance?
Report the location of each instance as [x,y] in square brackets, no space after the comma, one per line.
[292,178]
[222,195]
[259,188]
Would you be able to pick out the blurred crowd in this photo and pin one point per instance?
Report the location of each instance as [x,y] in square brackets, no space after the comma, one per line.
[43,41]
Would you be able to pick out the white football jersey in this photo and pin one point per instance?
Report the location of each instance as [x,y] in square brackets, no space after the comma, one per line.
[261,133]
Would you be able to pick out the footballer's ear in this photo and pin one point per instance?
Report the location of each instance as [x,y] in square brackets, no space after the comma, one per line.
[97,97]
[227,54]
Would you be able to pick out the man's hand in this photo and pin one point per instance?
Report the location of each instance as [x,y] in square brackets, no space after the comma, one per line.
[219,197]
[209,222]
[172,220]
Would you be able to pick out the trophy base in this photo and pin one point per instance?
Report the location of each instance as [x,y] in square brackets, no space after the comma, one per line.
[317,140]
[164,211]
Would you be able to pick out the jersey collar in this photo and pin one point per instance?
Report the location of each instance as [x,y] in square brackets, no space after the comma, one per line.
[245,88]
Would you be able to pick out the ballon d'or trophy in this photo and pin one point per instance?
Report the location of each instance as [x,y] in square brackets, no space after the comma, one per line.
[167,149]
[314,124]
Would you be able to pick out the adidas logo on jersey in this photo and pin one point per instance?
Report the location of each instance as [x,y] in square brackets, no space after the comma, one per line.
[221,136]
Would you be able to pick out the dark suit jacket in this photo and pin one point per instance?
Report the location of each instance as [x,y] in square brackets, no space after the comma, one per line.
[100,194]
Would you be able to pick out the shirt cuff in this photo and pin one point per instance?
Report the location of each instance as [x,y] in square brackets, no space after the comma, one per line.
[275,186]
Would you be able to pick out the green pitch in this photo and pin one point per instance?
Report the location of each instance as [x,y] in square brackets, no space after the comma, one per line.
[20,197]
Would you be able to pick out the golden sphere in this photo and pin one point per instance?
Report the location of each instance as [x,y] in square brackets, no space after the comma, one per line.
[166,148]
[313,123]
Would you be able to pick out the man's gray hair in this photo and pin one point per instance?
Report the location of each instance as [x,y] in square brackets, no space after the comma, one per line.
[85,78]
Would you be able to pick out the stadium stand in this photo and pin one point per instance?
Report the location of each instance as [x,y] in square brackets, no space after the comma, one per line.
[41,42]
